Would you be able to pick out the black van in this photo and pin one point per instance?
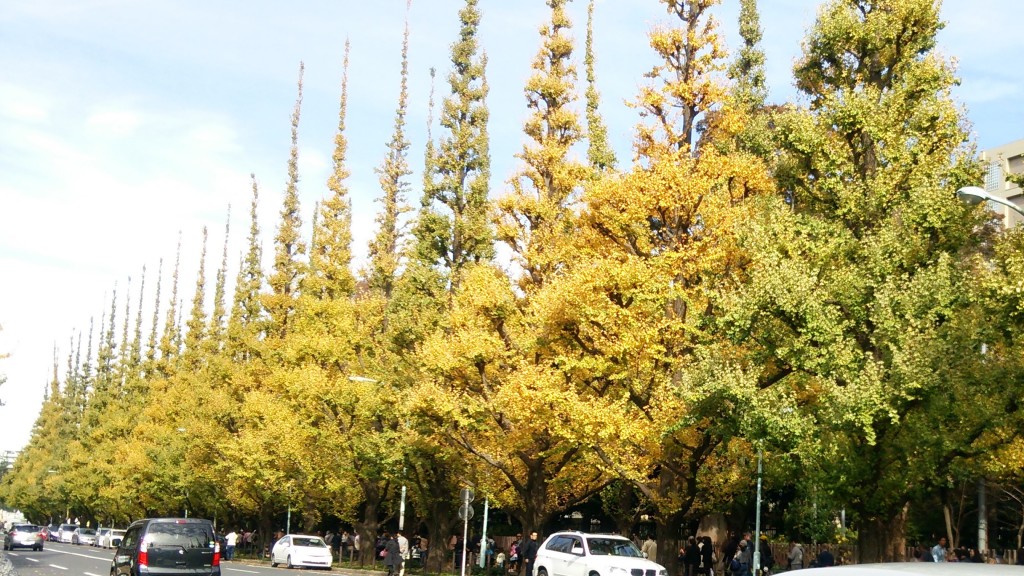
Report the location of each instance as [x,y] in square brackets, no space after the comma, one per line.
[167,547]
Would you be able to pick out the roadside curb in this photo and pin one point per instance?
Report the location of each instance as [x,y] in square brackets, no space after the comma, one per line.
[334,569]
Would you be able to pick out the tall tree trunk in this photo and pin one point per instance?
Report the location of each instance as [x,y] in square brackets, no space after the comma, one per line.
[667,537]
[367,529]
[535,499]
[439,529]
[947,515]
[883,539]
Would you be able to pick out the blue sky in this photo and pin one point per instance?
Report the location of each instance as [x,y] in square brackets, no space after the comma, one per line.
[123,122]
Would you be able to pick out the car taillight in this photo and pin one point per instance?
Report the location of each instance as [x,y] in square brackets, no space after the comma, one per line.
[144,554]
[216,554]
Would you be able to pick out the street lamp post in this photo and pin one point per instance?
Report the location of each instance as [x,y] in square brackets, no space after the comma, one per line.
[757,517]
[401,511]
[975,195]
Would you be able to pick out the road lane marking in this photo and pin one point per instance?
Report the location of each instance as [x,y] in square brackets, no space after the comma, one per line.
[90,574]
[57,567]
[31,559]
[240,570]
[105,558]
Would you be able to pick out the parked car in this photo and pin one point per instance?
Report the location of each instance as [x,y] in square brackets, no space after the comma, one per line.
[301,550]
[582,554]
[83,536]
[24,536]
[167,547]
[108,537]
[65,531]
[53,533]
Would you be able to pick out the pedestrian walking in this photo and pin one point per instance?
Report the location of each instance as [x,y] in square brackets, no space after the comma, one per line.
[939,550]
[529,553]
[230,540]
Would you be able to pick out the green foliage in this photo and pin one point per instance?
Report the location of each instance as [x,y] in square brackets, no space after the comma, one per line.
[599,151]
[747,70]
[330,260]
[385,248]
[288,246]
[453,227]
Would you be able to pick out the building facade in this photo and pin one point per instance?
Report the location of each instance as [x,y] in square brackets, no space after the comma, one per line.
[1000,162]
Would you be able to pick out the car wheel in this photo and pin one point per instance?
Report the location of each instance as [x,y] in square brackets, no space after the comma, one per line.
[290,561]
[542,572]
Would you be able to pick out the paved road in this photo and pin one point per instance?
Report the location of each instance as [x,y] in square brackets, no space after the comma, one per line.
[69,560]
[58,559]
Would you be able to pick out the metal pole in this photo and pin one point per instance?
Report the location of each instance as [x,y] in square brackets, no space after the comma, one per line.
[465,530]
[982,518]
[757,519]
[288,524]
[401,511]
[483,540]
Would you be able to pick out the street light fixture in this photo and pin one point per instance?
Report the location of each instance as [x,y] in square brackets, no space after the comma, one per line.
[974,195]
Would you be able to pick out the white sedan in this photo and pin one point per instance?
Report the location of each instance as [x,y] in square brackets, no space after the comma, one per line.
[108,537]
[301,550]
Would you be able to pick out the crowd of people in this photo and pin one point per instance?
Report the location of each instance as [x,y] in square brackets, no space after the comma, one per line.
[942,552]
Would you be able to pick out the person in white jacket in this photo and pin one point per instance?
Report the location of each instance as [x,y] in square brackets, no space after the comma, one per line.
[796,556]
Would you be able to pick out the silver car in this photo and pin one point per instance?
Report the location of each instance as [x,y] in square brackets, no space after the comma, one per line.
[84,537]
[24,536]
[65,532]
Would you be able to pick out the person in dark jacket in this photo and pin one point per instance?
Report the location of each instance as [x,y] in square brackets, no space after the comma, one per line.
[707,556]
[729,552]
[529,553]
[767,558]
[825,557]
[392,555]
[690,557]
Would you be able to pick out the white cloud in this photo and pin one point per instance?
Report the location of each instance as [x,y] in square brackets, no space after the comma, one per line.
[24,105]
[114,123]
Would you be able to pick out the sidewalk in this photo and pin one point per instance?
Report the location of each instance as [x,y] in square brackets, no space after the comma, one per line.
[335,569]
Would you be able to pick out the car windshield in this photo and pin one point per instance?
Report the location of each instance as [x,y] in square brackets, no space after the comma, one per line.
[25,528]
[86,532]
[187,536]
[309,541]
[117,532]
[613,547]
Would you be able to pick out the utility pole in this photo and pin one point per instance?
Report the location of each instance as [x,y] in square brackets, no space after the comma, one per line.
[757,518]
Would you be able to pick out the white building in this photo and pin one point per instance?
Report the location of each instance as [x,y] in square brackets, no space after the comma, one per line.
[1000,162]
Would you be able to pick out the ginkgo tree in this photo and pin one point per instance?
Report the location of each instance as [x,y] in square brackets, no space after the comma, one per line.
[655,390]
[863,271]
